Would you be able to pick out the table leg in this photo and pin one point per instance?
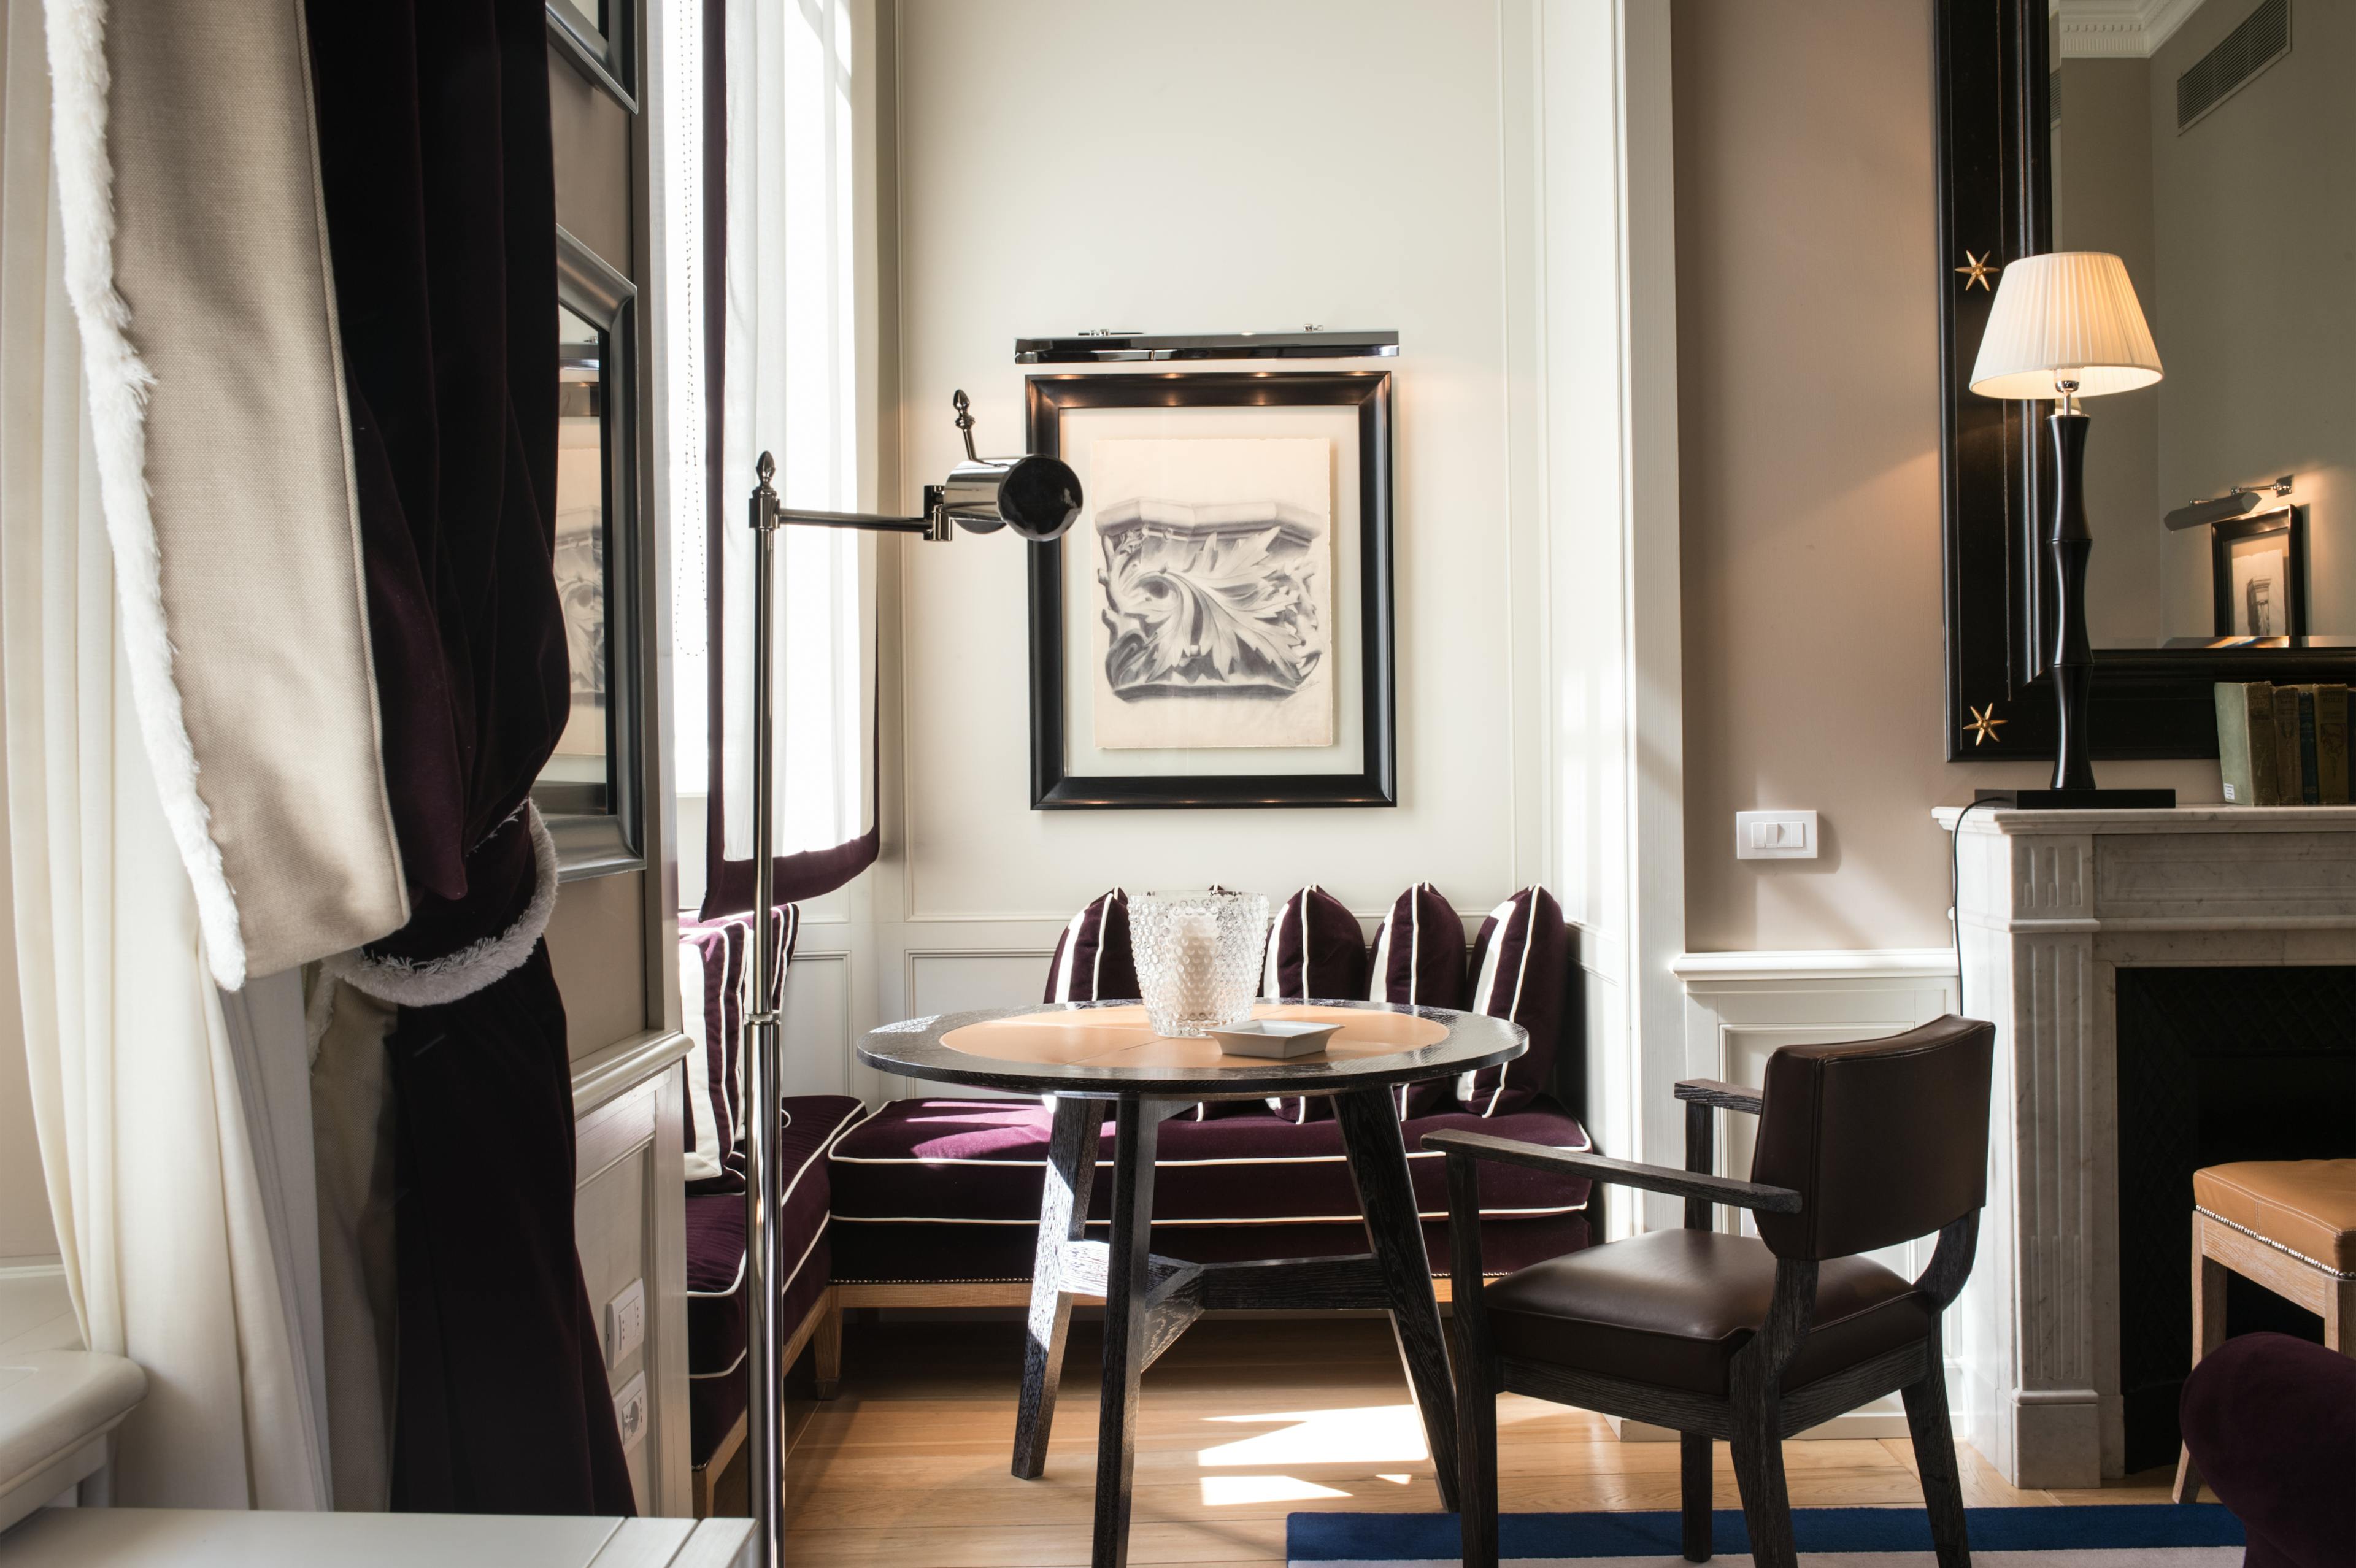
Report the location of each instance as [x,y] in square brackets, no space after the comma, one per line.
[1137,1129]
[1063,1217]
[1370,1137]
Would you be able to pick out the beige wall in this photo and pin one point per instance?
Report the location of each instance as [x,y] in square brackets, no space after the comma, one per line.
[2102,201]
[2255,212]
[1808,334]
[26,1233]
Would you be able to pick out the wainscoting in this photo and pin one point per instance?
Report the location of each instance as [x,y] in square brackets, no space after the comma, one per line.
[1741,1007]
[629,1223]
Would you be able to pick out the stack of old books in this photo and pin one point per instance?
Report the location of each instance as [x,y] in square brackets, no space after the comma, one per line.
[2282,745]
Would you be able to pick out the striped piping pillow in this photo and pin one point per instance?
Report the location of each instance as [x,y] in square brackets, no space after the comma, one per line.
[1521,970]
[1419,961]
[1315,950]
[715,979]
[1093,962]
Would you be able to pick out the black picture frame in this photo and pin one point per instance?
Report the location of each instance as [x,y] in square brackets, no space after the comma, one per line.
[1375,783]
[600,833]
[2290,522]
[1992,110]
[607,56]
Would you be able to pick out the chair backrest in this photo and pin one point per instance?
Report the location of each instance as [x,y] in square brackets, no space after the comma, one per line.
[1885,1140]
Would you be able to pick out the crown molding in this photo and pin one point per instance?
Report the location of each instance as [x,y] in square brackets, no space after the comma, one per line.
[2120,30]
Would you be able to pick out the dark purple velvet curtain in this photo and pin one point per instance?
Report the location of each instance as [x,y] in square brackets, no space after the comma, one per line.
[440,195]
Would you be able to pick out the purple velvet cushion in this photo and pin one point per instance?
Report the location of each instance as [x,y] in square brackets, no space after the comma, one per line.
[1315,950]
[1521,971]
[1419,961]
[1315,953]
[2271,1422]
[1093,962]
[1419,958]
[715,978]
[716,1305]
[980,1161]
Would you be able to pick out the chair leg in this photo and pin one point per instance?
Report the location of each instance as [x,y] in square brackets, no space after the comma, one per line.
[1476,1451]
[1934,1455]
[2340,1322]
[2207,1333]
[1694,1494]
[1759,1469]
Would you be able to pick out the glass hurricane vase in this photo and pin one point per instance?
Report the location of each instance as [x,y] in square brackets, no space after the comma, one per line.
[1198,957]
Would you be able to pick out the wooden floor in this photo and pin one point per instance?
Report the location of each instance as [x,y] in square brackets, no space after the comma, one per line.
[1242,1422]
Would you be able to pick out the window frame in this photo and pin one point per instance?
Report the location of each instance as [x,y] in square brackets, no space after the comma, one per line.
[598,844]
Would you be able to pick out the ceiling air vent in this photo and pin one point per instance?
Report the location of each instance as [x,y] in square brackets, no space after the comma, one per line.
[2258,43]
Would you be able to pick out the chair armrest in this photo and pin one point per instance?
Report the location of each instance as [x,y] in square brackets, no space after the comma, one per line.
[1619,1172]
[1723,1096]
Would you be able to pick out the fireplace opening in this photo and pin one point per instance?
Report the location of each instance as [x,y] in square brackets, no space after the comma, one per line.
[2214,1065]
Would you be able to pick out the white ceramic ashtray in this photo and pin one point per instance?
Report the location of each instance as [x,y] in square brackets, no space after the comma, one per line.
[1282,1039]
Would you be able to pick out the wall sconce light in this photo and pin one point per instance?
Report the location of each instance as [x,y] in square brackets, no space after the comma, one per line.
[2241,500]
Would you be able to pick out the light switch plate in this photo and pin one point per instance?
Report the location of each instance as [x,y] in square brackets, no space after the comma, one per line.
[630,1411]
[1774,834]
[626,1323]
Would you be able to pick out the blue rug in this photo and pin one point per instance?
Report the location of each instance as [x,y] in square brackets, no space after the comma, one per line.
[2126,1535]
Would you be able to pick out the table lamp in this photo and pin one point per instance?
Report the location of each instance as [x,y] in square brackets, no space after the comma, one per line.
[2066,325]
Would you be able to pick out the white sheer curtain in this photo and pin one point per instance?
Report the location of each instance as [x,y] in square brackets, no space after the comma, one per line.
[146,1100]
[793,388]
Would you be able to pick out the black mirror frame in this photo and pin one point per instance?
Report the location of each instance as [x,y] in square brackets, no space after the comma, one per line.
[602,843]
[1990,64]
[609,60]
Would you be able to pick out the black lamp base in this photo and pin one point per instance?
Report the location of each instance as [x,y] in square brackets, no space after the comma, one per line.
[2078,799]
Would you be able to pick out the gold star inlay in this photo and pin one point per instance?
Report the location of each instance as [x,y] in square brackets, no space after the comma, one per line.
[1975,270]
[1984,725]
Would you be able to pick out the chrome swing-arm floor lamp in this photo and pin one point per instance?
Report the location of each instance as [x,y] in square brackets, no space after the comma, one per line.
[1039,499]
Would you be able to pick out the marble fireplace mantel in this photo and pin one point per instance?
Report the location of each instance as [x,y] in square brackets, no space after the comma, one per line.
[2051,906]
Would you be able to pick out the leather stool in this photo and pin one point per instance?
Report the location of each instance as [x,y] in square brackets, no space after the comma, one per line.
[2290,1225]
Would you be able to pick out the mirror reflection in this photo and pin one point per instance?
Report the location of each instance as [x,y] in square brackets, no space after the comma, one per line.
[576,777]
[2221,167]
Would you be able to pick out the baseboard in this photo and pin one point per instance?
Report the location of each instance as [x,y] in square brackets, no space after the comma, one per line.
[32,1268]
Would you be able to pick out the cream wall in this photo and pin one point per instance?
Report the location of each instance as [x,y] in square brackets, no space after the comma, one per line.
[1807,333]
[2254,213]
[1216,167]
[27,1233]
[2102,201]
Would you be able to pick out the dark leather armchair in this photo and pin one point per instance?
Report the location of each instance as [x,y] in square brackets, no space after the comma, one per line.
[1860,1147]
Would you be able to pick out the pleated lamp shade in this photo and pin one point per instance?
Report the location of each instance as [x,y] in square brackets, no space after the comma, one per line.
[2067,315]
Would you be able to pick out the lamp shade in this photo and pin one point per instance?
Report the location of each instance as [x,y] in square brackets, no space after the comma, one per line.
[2067,315]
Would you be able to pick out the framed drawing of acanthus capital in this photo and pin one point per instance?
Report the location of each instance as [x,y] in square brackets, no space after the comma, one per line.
[1217,629]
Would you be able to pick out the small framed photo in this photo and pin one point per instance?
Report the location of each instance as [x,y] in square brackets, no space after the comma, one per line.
[1217,629]
[2258,573]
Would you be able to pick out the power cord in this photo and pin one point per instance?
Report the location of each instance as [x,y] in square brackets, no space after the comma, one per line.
[1954,896]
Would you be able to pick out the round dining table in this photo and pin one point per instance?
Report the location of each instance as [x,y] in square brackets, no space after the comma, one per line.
[1090,1058]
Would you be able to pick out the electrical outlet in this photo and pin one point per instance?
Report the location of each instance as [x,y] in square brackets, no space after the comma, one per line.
[626,1323]
[1774,834]
[630,1411]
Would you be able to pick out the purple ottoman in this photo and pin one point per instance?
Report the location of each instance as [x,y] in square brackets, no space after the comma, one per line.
[946,1191]
[716,1278]
[2271,1422]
